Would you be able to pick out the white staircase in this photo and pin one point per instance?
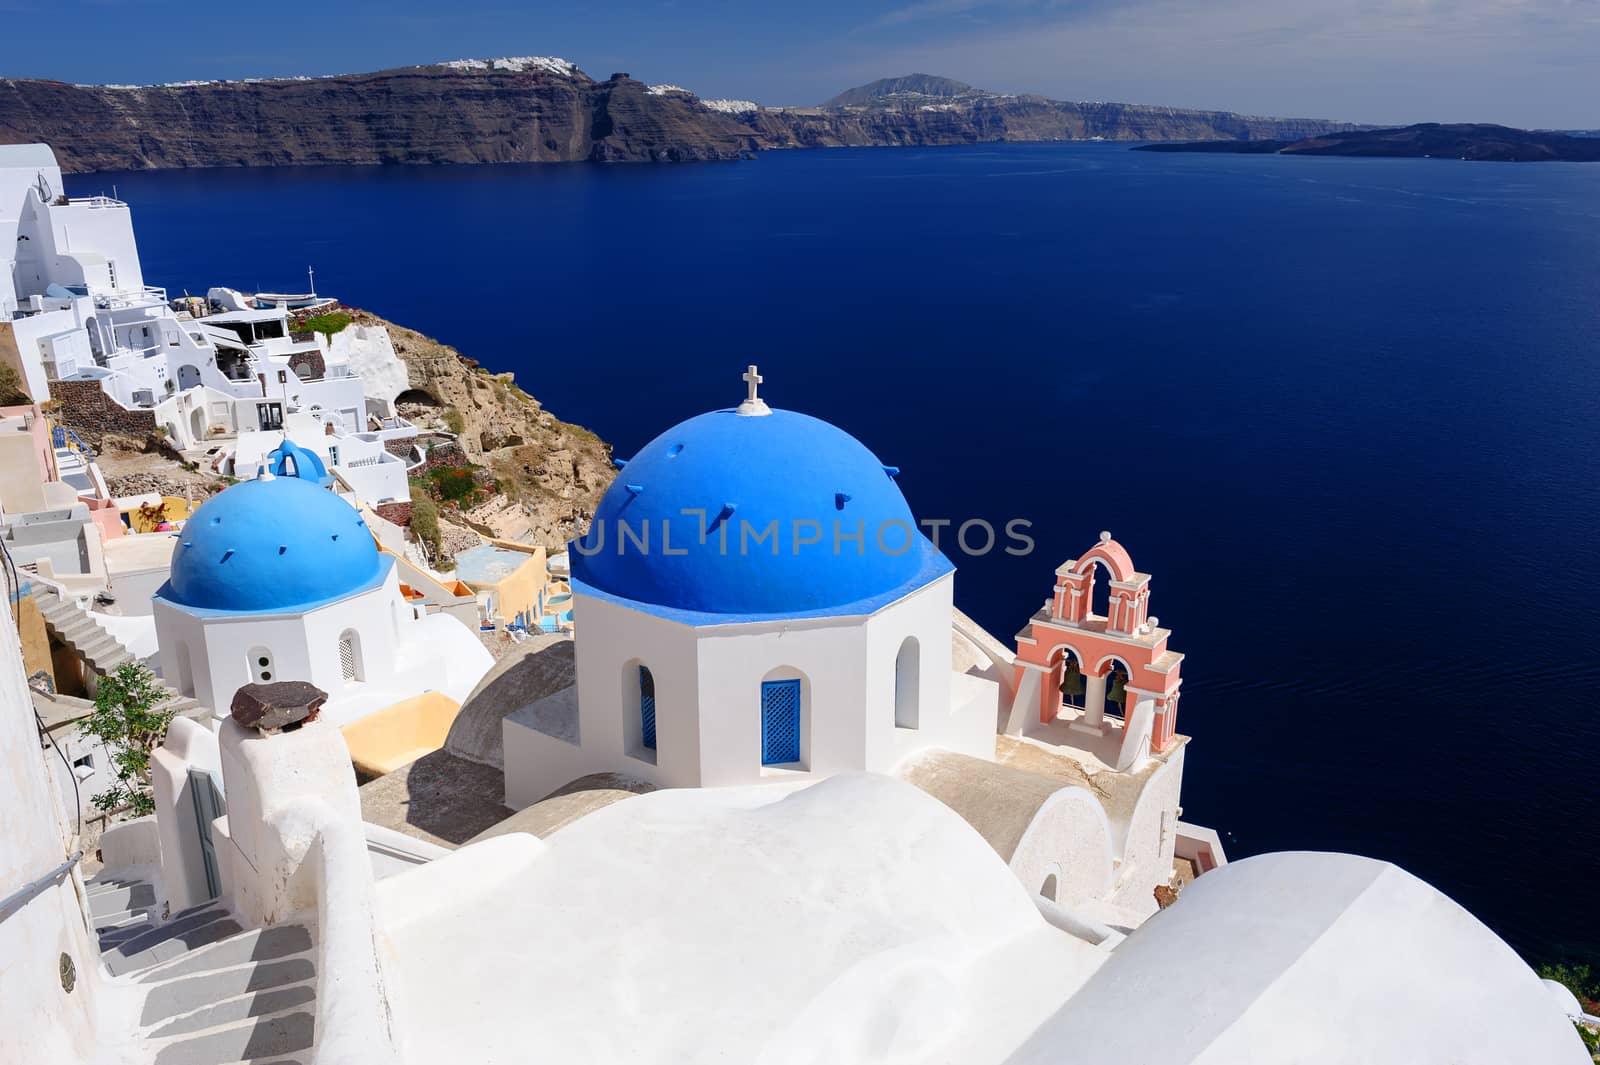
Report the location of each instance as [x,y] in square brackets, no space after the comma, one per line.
[213,994]
[100,651]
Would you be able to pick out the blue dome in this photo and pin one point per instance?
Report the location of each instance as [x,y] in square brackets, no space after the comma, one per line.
[272,546]
[754,516]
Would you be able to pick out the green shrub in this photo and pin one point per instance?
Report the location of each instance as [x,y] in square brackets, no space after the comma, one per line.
[329,324]
[1576,977]
[456,483]
[454,421]
[425,518]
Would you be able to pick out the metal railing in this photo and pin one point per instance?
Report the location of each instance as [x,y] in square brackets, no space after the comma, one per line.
[61,436]
[15,901]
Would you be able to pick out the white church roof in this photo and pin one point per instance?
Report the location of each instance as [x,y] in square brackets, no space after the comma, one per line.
[1315,959]
[852,921]
[26,155]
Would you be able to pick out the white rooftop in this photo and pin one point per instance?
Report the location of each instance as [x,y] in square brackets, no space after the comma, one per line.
[27,155]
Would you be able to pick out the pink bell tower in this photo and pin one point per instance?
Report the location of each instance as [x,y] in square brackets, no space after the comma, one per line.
[1066,635]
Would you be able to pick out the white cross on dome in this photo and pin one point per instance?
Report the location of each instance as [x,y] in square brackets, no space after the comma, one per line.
[753,404]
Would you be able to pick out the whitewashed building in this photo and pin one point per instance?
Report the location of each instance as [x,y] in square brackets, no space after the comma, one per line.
[277,578]
[74,306]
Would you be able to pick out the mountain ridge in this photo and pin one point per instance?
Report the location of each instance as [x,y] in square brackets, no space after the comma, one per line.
[545,109]
[1483,142]
[924,85]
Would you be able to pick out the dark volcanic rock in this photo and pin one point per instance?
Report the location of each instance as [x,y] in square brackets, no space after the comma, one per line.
[416,115]
[271,707]
[908,118]
[479,113]
[1426,140]
[929,86]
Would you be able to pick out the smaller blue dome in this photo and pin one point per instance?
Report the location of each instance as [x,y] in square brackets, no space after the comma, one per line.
[279,545]
[289,459]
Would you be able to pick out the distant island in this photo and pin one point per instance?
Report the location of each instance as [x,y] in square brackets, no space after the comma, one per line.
[536,109]
[1480,142]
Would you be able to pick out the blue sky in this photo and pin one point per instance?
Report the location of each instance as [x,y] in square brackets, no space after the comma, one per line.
[1522,62]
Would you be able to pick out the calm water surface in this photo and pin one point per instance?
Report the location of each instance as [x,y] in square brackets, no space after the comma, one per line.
[1347,412]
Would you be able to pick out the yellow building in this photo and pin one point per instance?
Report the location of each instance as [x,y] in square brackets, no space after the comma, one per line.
[511,581]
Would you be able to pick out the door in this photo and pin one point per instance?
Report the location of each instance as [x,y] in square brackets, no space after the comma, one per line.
[270,415]
[780,722]
[208,806]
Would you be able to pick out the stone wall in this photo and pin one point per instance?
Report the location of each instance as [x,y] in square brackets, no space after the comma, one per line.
[400,449]
[442,456]
[83,406]
[309,365]
[399,512]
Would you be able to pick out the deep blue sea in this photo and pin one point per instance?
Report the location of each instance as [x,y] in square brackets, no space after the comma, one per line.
[1347,412]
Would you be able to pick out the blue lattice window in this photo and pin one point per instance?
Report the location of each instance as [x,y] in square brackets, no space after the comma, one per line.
[647,709]
[780,722]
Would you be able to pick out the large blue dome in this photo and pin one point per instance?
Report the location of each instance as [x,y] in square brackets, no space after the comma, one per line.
[749,517]
[272,546]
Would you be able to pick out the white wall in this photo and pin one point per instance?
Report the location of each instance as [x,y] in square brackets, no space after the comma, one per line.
[44,1022]
[301,647]
[1147,841]
[708,697]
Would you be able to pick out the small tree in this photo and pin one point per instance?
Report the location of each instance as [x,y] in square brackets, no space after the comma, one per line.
[126,720]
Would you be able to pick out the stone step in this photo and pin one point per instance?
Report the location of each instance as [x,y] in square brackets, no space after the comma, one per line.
[99,649]
[253,947]
[109,922]
[102,883]
[245,1009]
[131,897]
[269,1037]
[169,940]
[115,661]
[173,998]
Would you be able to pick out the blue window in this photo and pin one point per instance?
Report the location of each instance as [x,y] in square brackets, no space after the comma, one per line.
[647,709]
[780,722]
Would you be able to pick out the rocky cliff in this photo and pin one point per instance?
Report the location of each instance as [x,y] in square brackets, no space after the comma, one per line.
[536,109]
[551,473]
[1483,143]
[472,112]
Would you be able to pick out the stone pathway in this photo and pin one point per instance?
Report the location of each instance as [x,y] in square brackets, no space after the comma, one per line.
[213,993]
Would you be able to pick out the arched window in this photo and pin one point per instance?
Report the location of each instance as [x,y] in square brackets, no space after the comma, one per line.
[647,708]
[781,713]
[638,708]
[907,672]
[350,656]
[1049,889]
[185,670]
[261,670]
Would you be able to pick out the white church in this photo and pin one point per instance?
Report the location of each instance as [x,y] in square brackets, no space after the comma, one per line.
[878,835]
[278,578]
[748,557]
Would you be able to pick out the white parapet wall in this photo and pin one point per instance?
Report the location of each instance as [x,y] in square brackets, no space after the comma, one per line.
[49,967]
[354,1012]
